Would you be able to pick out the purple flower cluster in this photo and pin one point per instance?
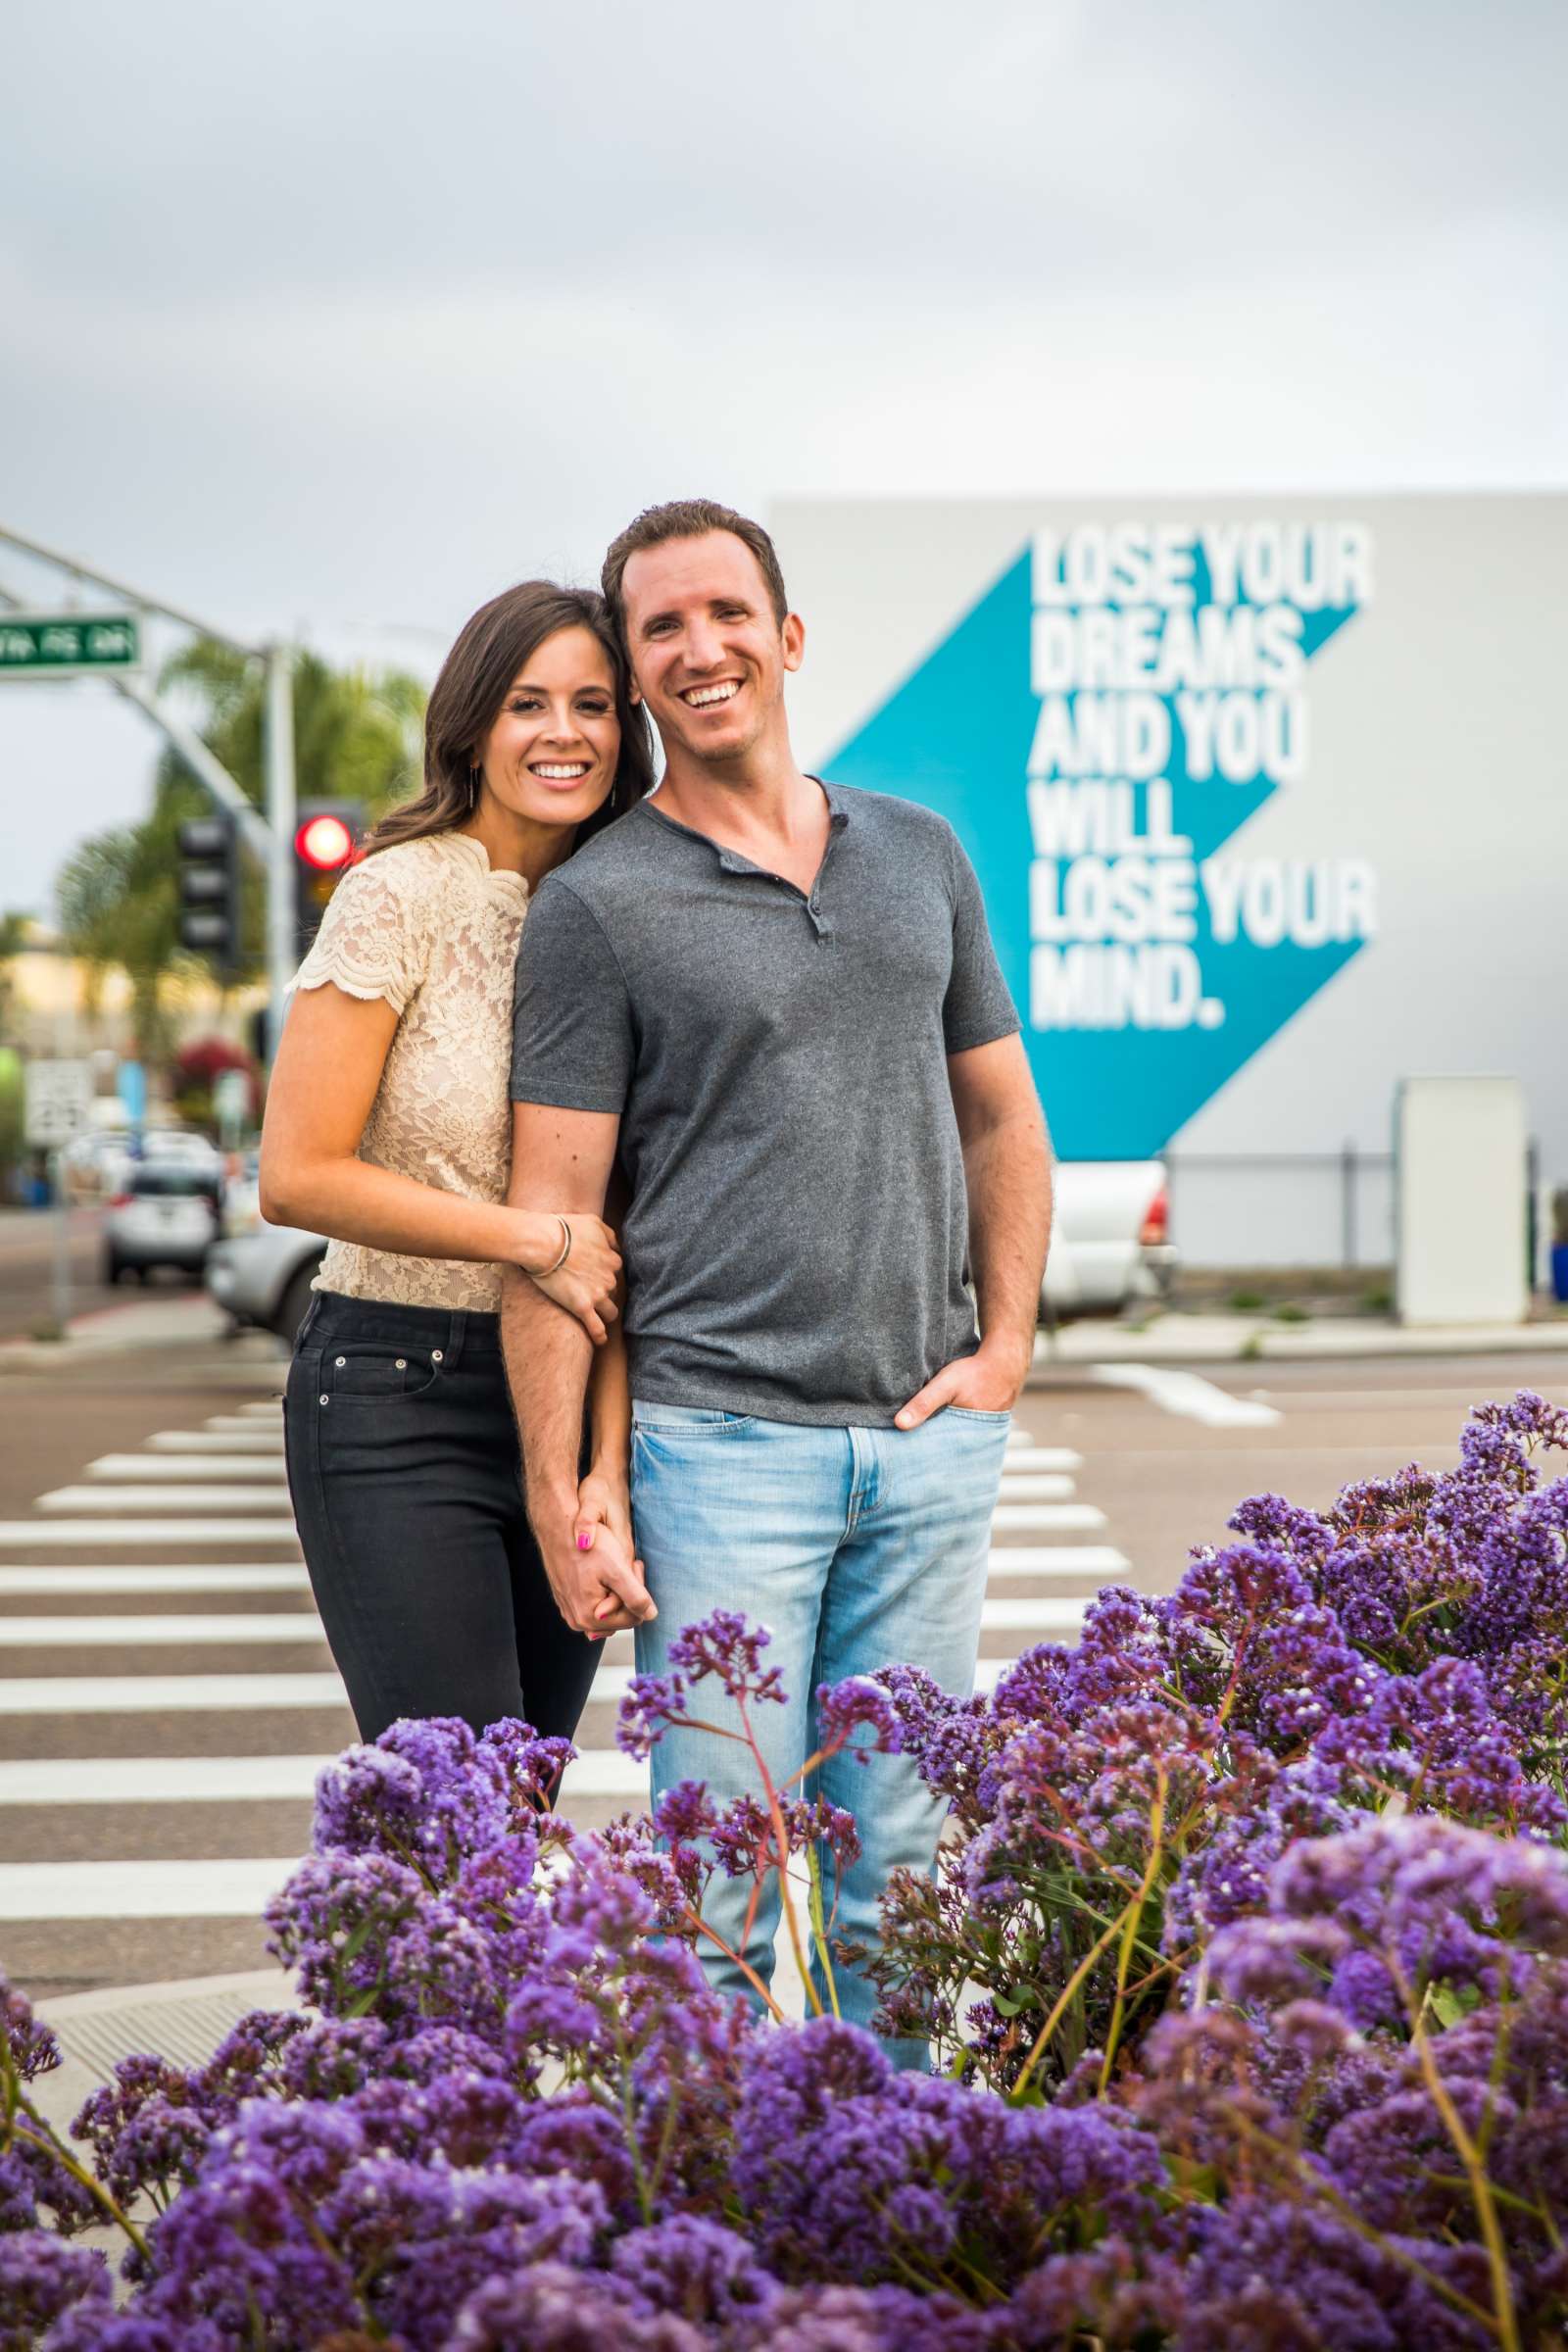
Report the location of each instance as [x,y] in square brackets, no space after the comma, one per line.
[1407,1650]
[1248,1970]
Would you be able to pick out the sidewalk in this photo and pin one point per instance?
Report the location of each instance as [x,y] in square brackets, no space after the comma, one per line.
[1170,1338]
[1173,1338]
[183,1319]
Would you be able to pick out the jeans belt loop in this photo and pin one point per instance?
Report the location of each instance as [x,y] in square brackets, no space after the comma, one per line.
[455,1338]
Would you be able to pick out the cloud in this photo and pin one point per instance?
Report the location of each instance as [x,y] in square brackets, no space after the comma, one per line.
[344,316]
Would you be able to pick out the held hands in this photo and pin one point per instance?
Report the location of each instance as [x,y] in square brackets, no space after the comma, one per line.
[987,1382]
[597,1581]
[584,1283]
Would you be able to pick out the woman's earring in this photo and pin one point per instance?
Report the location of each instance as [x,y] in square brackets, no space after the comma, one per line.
[473,788]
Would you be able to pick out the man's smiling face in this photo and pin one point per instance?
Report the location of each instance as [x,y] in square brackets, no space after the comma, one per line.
[707,651]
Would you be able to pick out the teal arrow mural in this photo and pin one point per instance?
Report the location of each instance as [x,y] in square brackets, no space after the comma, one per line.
[958,735]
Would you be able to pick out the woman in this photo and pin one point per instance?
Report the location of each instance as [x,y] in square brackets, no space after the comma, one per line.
[388,1127]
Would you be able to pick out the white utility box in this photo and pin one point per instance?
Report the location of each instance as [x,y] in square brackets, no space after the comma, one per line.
[1461,1201]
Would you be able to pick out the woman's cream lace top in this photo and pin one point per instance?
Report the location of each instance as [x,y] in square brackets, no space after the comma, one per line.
[430,928]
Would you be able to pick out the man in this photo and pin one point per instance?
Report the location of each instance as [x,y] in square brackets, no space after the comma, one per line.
[776,999]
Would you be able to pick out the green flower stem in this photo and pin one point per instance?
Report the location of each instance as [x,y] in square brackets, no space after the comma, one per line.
[1506,2322]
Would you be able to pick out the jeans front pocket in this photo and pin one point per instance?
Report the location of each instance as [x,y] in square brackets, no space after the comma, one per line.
[686,1420]
[355,1372]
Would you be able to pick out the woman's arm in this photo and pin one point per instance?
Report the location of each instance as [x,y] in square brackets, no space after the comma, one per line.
[329,1063]
[604,1493]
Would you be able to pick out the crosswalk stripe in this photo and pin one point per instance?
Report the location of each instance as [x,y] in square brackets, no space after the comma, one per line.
[1041,1457]
[155,1780]
[159,1631]
[247,1424]
[189,1693]
[1035,1486]
[1058,1559]
[1043,1516]
[21,1535]
[256,1469]
[165,1693]
[1188,1393]
[241,1780]
[134,1576]
[261,1408]
[107,1499]
[1043,1618]
[262,1444]
[224,1889]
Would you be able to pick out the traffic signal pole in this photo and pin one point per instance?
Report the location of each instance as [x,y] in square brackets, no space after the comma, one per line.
[280,800]
[269,837]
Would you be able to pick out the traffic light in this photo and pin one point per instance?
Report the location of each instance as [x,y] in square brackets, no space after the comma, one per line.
[326,841]
[209,890]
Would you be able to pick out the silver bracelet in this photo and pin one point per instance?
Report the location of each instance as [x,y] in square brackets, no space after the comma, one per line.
[545,1272]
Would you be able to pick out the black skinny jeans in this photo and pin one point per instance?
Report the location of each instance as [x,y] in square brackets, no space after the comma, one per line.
[403,1469]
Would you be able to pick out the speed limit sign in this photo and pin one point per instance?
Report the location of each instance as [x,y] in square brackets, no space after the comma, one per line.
[57,1102]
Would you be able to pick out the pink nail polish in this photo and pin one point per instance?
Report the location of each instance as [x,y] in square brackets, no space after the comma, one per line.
[584,1539]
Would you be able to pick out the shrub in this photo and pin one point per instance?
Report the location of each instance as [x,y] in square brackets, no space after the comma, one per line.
[1247,1972]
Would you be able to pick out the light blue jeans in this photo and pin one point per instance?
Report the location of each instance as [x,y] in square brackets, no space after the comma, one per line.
[856,1548]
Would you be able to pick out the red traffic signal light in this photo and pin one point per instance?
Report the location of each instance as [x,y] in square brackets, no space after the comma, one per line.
[326,843]
[327,839]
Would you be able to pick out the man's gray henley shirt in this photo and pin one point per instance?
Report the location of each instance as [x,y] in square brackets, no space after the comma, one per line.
[798,1233]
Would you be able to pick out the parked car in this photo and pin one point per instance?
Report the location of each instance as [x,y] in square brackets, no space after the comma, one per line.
[261,1273]
[166,1214]
[1110,1246]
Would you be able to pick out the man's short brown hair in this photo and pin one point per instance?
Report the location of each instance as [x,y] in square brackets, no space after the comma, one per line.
[689,518]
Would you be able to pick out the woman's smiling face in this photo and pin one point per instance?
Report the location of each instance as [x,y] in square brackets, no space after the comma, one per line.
[551,750]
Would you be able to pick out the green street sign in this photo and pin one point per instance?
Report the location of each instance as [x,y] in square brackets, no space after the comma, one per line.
[65,645]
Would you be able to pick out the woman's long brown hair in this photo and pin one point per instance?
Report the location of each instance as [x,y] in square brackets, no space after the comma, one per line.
[467,699]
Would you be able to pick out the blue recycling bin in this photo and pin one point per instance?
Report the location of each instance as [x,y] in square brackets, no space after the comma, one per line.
[1560,1272]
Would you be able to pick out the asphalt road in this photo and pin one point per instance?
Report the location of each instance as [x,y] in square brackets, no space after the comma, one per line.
[1106,1482]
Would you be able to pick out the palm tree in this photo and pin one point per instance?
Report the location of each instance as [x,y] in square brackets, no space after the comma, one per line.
[357,737]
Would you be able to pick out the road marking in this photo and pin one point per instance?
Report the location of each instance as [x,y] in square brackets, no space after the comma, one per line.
[156,1630]
[157,1780]
[604,1772]
[1185,1394]
[246,1424]
[110,1500]
[240,1779]
[1043,1516]
[1032,1616]
[134,1576]
[1058,1559]
[22,1535]
[257,1468]
[1041,1457]
[166,1693]
[248,1439]
[1035,1488]
[228,1890]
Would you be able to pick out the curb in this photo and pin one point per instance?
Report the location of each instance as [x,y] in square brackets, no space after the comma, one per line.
[183,2021]
[1219,1340]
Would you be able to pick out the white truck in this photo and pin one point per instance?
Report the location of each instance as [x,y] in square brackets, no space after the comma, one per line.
[1110,1245]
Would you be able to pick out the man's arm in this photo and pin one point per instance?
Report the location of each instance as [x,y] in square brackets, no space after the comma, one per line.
[1007,1168]
[564,1158]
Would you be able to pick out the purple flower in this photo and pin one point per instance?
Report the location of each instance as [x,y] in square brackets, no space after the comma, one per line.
[842,1708]
[730,1646]
[39,2279]
[651,1703]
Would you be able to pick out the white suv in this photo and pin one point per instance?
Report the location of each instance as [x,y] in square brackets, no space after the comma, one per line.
[166,1215]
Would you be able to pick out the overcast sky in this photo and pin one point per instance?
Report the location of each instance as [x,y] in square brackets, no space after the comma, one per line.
[334,319]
